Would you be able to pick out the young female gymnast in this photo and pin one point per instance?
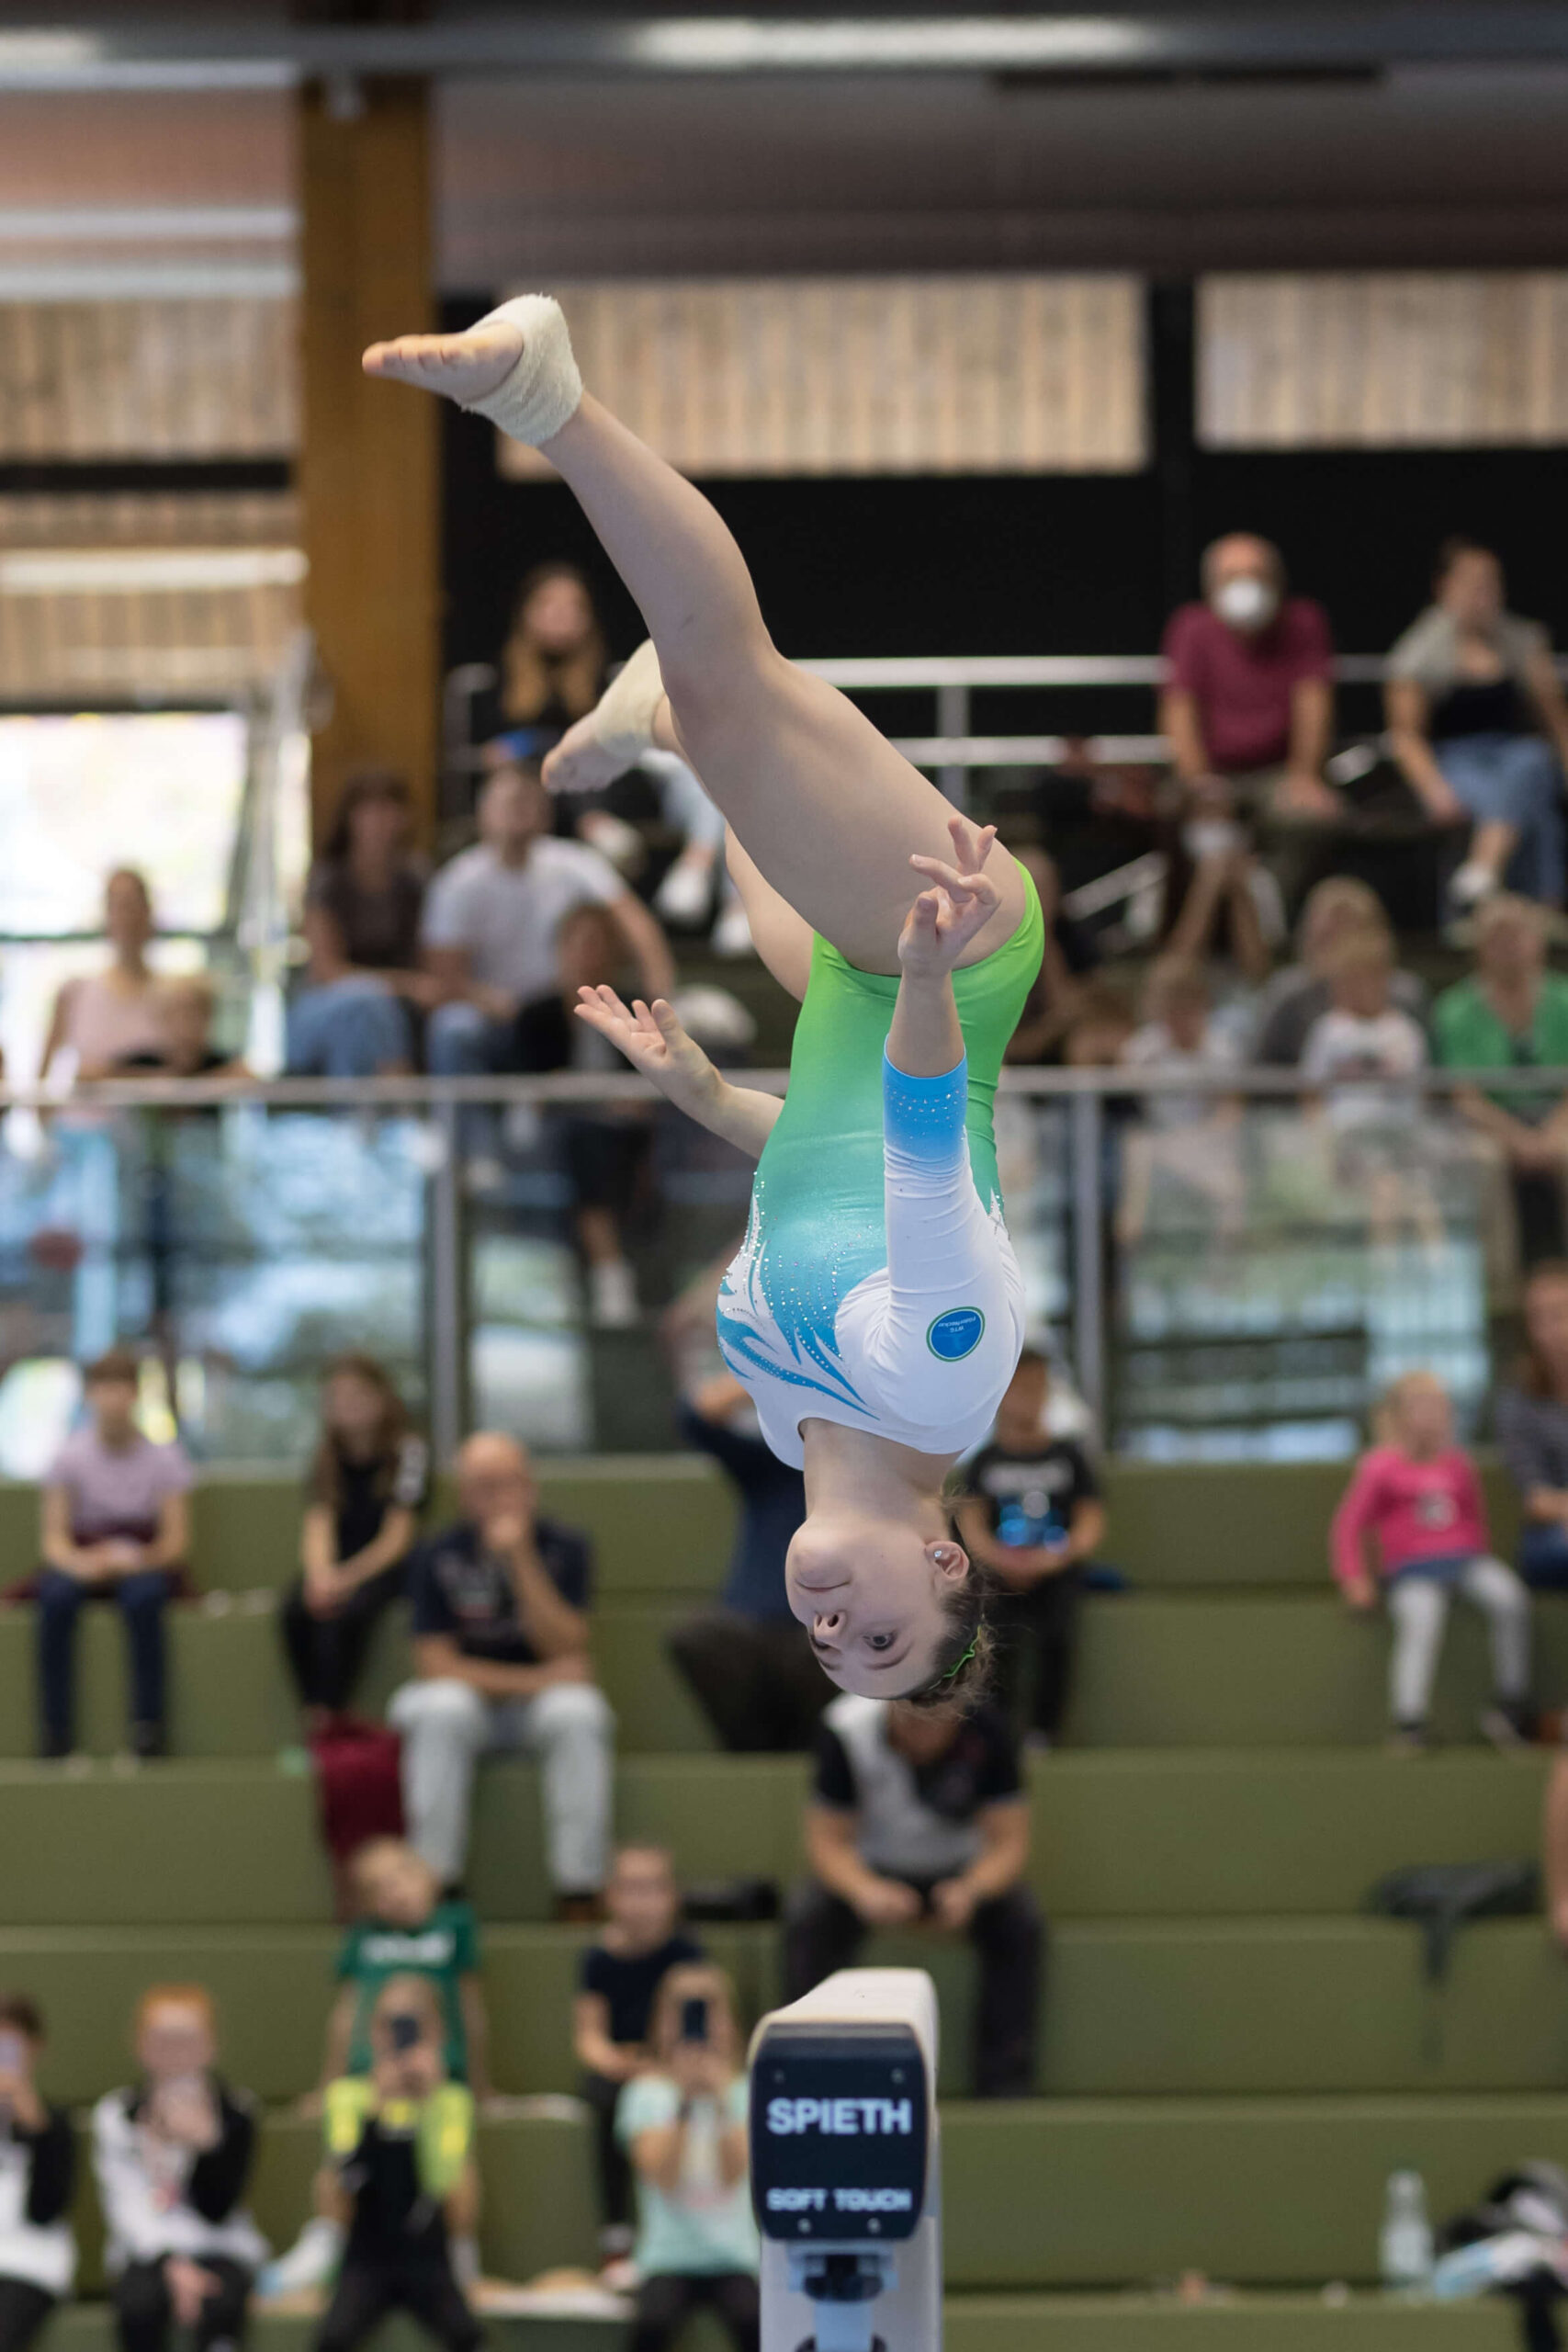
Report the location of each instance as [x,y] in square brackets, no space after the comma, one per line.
[875,1311]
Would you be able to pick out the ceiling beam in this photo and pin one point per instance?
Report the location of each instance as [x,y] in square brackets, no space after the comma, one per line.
[165,54]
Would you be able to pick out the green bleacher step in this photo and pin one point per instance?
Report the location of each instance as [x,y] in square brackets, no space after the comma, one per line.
[1038,2194]
[663,1524]
[1147,1834]
[1154,1670]
[1262,2192]
[1144,2009]
[1366,2322]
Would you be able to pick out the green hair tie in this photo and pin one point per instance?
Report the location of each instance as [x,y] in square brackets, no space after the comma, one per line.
[961,1662]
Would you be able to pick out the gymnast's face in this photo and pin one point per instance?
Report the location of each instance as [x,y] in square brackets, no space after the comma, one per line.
[870,1593]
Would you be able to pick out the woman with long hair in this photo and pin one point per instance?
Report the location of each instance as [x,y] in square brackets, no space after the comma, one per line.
[875,1312]
[553,663]
[102,1017]
[353,1015]
[366,1484]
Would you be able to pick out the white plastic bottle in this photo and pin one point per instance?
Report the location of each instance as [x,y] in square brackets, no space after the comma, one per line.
[1405,2246]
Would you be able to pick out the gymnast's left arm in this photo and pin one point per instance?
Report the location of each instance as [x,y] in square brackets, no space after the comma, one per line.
[654,1041]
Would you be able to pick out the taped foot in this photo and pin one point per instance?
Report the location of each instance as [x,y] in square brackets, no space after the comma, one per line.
[514,367]
[616,733]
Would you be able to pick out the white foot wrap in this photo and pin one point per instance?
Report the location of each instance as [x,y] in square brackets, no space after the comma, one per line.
[545,388]
[623,722]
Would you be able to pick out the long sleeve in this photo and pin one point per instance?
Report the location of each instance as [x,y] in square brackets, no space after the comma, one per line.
[1355,1516]
[53,2175]
[950,1325]
[217,2182]
[1471,1500]
[1523,1441]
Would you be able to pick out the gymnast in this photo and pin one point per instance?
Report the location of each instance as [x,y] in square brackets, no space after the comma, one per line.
[875,1309]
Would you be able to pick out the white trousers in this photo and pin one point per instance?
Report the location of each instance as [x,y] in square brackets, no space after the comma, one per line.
[1419,1608]
[447,1726]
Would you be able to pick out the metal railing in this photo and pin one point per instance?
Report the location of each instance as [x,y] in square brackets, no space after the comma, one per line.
[1076,1114]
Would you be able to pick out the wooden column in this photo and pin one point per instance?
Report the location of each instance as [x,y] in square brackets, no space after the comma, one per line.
[368,472]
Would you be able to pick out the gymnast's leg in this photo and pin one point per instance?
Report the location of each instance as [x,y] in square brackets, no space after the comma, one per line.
[829,810]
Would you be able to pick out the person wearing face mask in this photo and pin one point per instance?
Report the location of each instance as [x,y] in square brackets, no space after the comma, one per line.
[1247,707]
[1248,710]
[1478,724]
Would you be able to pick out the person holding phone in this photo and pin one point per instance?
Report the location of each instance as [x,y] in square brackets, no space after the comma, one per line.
[173,2154]
[38,2167]
[400,2141]
[618,1981]
[682,2123]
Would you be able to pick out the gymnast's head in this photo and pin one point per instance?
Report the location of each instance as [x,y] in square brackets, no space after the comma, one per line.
[892,1606]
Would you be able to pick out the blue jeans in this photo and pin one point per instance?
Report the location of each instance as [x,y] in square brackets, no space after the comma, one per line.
[462,1042]
[348,1028]
[141,1598]
[1513,780]
[1543,1556]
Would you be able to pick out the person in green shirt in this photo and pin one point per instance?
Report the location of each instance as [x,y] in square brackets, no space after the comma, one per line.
[404,1928]
[1512,1014]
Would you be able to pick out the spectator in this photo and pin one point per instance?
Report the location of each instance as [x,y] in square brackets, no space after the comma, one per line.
[682,2123]
[1376,1129]
[1513,1014]
[1532,1430]
[919,1814]
[399,2136]
[187,1004]
[406,1929]
[173,2155]
[619,1979]
[38,2169]
[500,1652]
[355,1015]
[1247,707]
[1299,993]
[1031,1516]
[102,1017]
[1192,1141]
[366,1487]
[115,1524]
[747,1659]
[1415,1493]
[492,923]
[553,664]
[1248,710]
[1479,727]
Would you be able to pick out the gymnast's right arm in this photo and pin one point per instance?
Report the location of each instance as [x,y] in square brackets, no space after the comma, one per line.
[654,1041]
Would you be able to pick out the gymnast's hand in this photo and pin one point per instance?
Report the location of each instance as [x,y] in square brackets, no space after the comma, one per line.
[955,910]
[654,1041]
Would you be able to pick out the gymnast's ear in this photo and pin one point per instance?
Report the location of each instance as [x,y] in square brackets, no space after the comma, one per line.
[949,1560]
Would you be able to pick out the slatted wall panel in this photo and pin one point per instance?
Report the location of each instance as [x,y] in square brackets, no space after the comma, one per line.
[1017,374]
[1384,359]
[148,380]
[65,643]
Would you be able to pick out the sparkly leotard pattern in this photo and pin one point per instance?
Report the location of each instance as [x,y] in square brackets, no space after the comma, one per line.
[877,1287]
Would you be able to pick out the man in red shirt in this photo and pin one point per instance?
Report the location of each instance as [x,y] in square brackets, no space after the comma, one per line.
[1248,703]
[1247,709]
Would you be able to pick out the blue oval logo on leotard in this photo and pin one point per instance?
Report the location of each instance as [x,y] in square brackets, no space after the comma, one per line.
[956,1334]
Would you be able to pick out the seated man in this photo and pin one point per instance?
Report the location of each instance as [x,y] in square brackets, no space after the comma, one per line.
[748,1661]
[918,1814]
[500,1652]
[1248,710]
[1030,1515]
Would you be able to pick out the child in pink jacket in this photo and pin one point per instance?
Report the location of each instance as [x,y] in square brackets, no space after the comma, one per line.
[1417,1497]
